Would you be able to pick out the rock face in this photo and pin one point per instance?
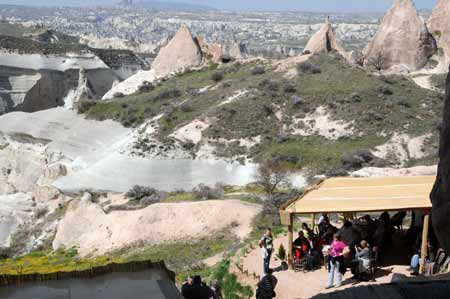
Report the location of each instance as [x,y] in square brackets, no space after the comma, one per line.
[212,51]
[324,40]
[403,39]
[237,50]
[181,53]
[440,196]
[439,25]
[33,82]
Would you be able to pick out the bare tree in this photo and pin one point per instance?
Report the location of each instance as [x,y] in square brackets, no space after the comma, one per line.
[271,174]
[379,62]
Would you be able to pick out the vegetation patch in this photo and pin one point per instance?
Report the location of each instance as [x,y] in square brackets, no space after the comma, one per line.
[252,102]
[439,80]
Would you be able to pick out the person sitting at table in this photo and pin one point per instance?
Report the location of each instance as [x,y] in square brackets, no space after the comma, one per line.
[301,246]
[361,262]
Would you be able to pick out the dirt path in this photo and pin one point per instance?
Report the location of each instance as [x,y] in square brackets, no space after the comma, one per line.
[296,285]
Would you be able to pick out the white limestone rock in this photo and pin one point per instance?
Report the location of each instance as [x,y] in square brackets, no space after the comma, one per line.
[402,39]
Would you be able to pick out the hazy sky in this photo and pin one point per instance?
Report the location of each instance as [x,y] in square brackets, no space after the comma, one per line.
[303,5]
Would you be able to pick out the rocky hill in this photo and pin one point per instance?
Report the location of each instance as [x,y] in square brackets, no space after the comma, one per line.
[251,111]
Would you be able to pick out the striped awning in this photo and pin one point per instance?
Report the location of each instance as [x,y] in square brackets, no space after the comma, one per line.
[363,195]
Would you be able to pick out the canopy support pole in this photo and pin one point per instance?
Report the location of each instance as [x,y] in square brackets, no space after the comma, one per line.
[424,248]
[290,241]
[313,221]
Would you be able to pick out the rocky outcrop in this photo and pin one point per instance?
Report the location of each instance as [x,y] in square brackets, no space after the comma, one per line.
[180,54]
[440,196]
[439,25]
[324,40]
[402,39]
[33,82]
[124,63]
[237,50]
[211,51]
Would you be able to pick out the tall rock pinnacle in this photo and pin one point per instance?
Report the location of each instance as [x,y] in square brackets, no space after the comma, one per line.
[402,39]
[181,53]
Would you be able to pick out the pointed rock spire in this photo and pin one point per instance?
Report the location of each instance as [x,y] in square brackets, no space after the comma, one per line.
[402,38]
[181,53]
[439,26]
[324,40]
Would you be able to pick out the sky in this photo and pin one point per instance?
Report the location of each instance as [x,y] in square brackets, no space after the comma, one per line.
[299,5]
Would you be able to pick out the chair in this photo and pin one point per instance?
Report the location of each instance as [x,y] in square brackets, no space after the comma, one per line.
[373,263]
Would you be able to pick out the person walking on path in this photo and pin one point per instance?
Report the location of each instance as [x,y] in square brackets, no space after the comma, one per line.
[266,245]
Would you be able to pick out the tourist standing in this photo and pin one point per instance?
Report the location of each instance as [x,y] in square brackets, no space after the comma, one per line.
[266,244]
[336,261]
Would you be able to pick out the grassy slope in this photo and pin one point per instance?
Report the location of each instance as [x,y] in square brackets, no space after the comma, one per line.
[375,104]
[438,80]
[181,257]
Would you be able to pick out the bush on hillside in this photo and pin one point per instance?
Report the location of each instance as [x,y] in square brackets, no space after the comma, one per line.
[257,70]
[169,93]
[84,106]
[217,76]
[186,107]
[357,159]
[138,192]
[307,67]
[270,86]
[289,88]
[204,192]
[146,87]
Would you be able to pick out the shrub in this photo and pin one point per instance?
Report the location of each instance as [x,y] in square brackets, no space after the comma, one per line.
[289,88]
[257,70]
[217,76]
[307,67]
[205,192]
[356,159]
[84,106]
[281,253]
[271,86]
[139,192]
[186,107]
[169,93]
[384,90]
[146,87]
[129,117]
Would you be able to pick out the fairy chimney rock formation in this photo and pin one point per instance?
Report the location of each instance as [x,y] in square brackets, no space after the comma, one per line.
[180,54]
[237,50]
[324,40]
[213,51]
[439,26]
[402,39]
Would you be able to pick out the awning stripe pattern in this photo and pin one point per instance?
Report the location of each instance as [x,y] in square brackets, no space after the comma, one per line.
[364,195]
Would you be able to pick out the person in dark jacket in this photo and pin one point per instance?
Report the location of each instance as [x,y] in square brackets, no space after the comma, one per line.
[197,290]
[266,286]
[187,287]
